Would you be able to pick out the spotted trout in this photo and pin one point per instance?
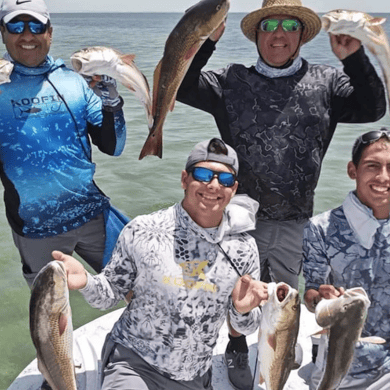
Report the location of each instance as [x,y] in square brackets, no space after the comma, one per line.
[368,30]
[278,334]
[99,60]
[192,30]
[344,317]
[51,326]
[6,68]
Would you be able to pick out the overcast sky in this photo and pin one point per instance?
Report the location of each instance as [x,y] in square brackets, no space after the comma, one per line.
[182,5]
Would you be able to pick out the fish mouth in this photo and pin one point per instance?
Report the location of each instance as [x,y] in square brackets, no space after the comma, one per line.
[282,292]
[60,267]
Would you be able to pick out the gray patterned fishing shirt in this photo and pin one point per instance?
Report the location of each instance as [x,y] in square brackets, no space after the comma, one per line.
[182,283]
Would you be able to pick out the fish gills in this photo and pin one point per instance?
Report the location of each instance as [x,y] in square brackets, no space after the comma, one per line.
[51,326]
[185,40]
[278,334]
[344,317]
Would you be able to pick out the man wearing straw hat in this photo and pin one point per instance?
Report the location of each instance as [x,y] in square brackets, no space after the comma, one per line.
[280,116]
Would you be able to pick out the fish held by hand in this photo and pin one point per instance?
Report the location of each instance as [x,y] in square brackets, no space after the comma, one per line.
[365,28]
[100,60]
[185,40]
[278,334]
[51,326]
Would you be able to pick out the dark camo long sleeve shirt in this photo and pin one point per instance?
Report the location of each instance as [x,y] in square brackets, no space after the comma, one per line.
[281,128]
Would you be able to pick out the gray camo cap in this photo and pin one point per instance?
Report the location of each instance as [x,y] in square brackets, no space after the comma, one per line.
[35,8]
[213,150]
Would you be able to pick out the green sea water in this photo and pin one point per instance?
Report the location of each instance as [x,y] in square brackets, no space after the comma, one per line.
[139,187]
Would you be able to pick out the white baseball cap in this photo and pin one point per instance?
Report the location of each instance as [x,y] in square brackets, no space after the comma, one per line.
[12,8]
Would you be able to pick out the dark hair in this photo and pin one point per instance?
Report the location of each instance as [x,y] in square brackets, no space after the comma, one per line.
[367,139]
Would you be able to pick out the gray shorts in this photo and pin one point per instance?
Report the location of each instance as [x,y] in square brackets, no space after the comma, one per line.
[123,369]
[280,250]
[88,241]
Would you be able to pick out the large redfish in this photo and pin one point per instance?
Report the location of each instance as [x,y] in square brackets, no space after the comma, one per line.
[197,24]
[344,317]
[278,334]
[51,326]
[99,60]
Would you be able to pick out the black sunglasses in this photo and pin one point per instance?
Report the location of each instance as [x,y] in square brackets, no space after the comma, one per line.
[19,26]
[366,139]
[205,175]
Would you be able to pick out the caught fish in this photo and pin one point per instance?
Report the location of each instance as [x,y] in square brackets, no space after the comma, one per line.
[368,30]
[344,317]
[192,30]
[5,70]
[278,334]
[99,60]
[51,326]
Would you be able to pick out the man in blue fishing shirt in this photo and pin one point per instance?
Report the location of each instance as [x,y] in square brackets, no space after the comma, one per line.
[48,116]
[348,247]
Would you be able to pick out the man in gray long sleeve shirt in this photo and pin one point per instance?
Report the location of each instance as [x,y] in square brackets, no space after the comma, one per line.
[184,265]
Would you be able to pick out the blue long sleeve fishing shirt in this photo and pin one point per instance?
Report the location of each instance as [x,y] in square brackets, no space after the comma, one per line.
[336,253]
[48,115]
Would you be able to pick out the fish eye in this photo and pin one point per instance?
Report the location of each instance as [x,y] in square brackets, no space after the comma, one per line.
[218,7]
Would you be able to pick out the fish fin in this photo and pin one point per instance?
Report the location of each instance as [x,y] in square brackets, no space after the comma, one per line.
[153,145]
[320,332]
[377,21]
[272,341]
[261,379]
[172,106]
[156,79]
[128,58]
[62,324]
[192,51]
[130,87]
[372,340]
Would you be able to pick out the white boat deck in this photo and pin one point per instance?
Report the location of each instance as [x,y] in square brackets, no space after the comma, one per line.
[88,342]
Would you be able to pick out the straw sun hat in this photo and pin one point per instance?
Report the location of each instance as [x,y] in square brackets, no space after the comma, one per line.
[310,20]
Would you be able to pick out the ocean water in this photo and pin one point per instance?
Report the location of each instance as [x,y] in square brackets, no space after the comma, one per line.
[139,187]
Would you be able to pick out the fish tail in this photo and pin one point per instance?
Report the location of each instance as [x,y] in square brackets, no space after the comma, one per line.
[153,145]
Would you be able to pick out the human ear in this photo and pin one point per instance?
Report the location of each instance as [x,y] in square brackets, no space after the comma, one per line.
[351,169]
[184,176]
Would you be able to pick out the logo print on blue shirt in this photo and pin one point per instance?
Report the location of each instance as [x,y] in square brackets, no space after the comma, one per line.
[42,106]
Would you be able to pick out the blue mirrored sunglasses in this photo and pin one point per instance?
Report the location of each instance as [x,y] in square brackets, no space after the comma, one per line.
[18,27]
[288,25]
[205,175]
